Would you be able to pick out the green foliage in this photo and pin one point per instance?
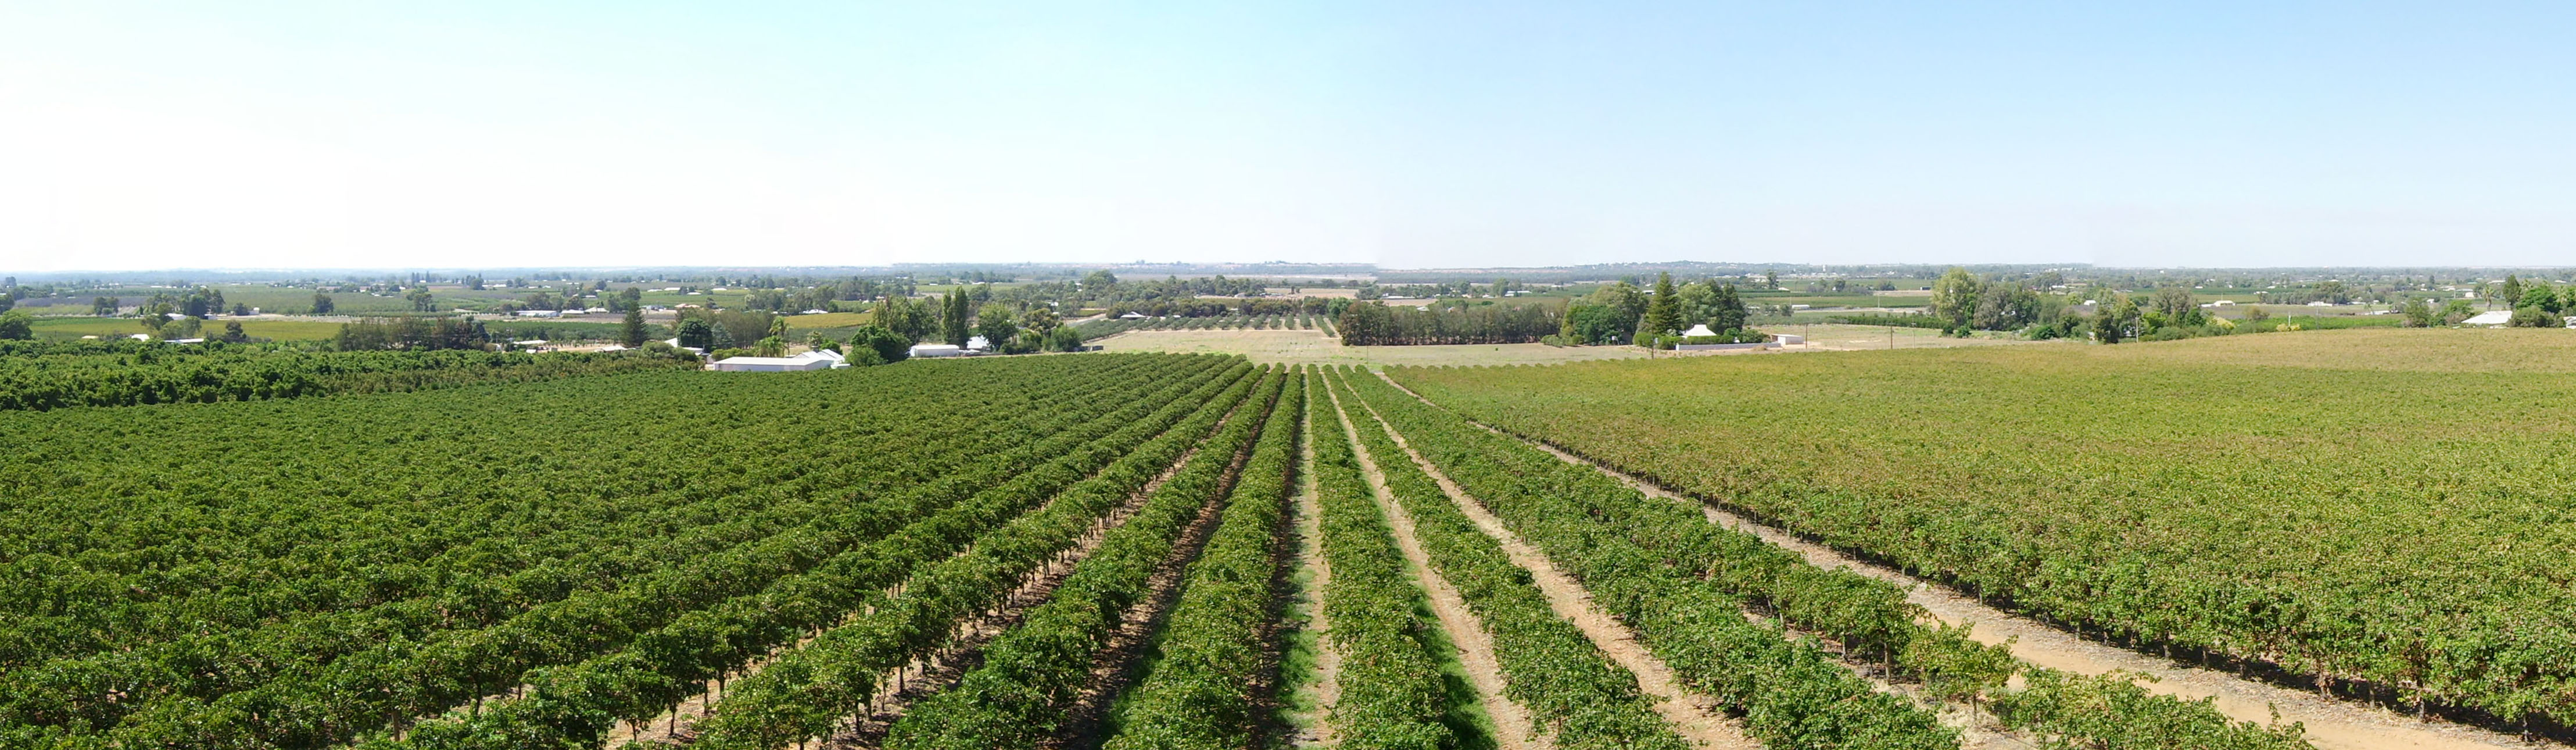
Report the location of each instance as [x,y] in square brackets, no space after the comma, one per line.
[1374,324]
[1202,693]
[612,579]
[696,333]
[1392,693]
[887,345]
[36,376]
[1663,569]
[16,325]
[2535,317]
[1550,668]
[1030,673]
[2143,527]
[1663,313]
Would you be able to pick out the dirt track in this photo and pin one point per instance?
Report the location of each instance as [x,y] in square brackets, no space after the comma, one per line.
[1512,727]
[1698,717]
[2331,724]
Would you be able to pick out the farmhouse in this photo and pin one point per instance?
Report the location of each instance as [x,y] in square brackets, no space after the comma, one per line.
[814,360]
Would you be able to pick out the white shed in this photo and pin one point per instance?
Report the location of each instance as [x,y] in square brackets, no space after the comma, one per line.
[937,350]
[775,364]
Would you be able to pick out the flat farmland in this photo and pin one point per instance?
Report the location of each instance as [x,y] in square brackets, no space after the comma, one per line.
[2381,514]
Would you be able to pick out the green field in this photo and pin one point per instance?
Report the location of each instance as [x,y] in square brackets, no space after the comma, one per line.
[276,330]
[2385,509]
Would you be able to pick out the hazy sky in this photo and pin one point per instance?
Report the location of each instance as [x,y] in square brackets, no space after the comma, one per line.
[391,134]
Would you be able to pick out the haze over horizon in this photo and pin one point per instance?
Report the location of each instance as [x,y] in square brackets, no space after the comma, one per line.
[414,135]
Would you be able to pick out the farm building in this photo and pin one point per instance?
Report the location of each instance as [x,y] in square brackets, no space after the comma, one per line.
[540,313]
[2489,318]
[814,360]
[937,350]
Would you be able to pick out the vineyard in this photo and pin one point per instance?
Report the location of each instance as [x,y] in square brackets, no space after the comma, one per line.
[2376,516]
[35,376]
[1297,322]
[1091,551]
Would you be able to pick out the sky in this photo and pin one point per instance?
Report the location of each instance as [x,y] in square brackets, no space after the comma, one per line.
[390,134]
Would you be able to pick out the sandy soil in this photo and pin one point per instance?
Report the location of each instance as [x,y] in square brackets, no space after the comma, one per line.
[1700,718]
[1323,690]
[2331,724]
[1512,728]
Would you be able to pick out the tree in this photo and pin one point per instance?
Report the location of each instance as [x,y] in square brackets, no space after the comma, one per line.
[2418,313]
[1770,279]
[1064,339]
[953,324]
[1954,298]
[2533,317]
[322,304]
[15,325]
[2177,305]
[233,332]
[1100,284]
[1041,319]
[1663,313]
[422,300]
[996,324]
[631,330]
[887,345]
[2539,295]
[2512,291]
[2116,319]
[697,333]
[103,306]
[1728,310]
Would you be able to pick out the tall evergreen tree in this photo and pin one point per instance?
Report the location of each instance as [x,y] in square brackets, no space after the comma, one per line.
[1664,312]
[952,319]
[1730,309]
[631,331]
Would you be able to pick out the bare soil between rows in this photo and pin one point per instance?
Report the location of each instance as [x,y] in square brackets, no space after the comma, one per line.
[2330,724]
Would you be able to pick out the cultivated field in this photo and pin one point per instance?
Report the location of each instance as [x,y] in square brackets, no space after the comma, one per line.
[1312,347]
[1149,551]
[2378,515]
[276,329]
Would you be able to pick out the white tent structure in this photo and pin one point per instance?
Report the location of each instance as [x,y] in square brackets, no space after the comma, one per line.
[2489,318]
[1699,330]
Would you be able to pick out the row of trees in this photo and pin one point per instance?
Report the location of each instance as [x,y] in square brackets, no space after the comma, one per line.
[1378,324]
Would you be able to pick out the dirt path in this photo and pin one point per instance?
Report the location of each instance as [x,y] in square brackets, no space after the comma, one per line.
[1700,718]
[1512,728]
[1323,690]
[1119,664]
[2331,724]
